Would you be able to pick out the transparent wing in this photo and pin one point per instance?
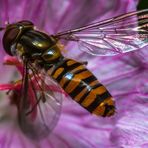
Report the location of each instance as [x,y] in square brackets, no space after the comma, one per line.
[117,35]
[39,105]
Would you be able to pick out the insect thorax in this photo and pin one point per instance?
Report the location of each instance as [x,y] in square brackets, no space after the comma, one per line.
[37,46]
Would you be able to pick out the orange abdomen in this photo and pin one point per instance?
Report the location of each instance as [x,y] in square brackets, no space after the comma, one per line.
[83,87]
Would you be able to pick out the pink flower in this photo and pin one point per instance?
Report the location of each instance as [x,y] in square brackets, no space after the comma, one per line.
[124,75]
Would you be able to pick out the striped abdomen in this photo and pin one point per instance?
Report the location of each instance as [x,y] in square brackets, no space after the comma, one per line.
[83,87]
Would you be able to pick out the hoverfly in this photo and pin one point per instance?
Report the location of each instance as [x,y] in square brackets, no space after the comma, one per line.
[41,56]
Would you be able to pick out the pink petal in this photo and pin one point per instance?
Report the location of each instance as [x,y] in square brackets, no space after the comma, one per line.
[122,75]
[131,129]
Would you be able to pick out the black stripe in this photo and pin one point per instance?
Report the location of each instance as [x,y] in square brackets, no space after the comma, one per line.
[78,89]
[107,109]
[67,82]
[81,86]
[99,99]
[80,70]
[62,63]
[66,69]
[85,95]
[97,85]
[90,79]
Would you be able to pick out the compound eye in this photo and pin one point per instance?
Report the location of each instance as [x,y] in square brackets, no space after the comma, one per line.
[14,32]
[9,38]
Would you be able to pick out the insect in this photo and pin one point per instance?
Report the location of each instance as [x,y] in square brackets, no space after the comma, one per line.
[45,65]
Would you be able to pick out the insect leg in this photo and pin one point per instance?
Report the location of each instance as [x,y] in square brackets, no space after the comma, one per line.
[24,87]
